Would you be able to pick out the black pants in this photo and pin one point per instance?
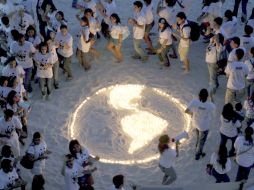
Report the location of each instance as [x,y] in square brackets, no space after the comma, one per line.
[105,29]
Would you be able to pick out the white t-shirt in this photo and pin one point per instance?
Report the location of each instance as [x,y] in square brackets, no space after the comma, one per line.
[62,40]
[138,33]
[115,31]
[52,50]
[37,151]
[8,179]
[28,6]
[35,41]
[7,8]
[202,114]
[110,8]
[250,64]
[217,166]
[212,53]
[249,107]
[22,53]
[236,72]
[185,33]
[17,71]
[44,67]
[167,158]
[169,14]
[228,128]
[229,28]
[247,43]
[93,25]
[5,91]
[71,177]
[6,36]
[83,39]
[22,23]
[114,188]
[165,35]
[82,157]
[245,159]
[149,13]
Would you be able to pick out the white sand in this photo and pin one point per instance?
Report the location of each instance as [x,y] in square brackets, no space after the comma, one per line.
[98,125]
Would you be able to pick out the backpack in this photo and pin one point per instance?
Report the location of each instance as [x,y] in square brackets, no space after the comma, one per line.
[195,30]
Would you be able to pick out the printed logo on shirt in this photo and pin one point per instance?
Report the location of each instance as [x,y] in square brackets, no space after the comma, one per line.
[239,68]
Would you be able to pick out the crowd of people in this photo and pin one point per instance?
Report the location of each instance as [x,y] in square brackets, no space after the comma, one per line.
[35,43]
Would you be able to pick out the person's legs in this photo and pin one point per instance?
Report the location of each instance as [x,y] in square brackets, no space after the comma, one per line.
[244,10]
[85,62]
[213,78]
[202,139]
[42,83]
[119,54]
[236,6]
[183,52]
[223,140]
[111,48]
[27,79]
[232,150]
[147,38]
[67,66]
[164,56]
[230,96]
[55,74]
[239,94]
[197,135]
[242,173]
[170,175]
[173,48]
[138,50]
[49,85]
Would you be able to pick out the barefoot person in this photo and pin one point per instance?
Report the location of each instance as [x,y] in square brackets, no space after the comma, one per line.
[138,22]
[116,38]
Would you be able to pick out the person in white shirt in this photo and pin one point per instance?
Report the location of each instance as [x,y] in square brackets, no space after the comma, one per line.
[31,36]
[247,40]
[166,160]
[167,12]
[250,77]
[202,112]
[38,182]
[7,8]
[56,21]
[116,38]
[44,63]
[250,22]
[24,51]
[229,25]
[244,154]
[21,21]
[229,127]
[9,178]
[165,42]
[83,159]
[9,126]
[221,165]
[149,24]
[84,44]
[217,23]
[236,73]
[184,44]
[65,51]
[249,109]
[118,182]
[38,153]
[52,49]
[138,23]
[5,36]
[213,51]
[234,45]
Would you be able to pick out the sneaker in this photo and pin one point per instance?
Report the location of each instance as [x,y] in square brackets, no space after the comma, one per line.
[48,97]
[135,57]
[43,97]
[56,86]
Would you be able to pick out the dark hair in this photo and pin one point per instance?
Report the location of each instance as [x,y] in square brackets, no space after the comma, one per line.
[10,97]
[163,21]
[8,113]
[203,95]
[3,79]
[71,145]
[6,164]
[5,20]
[248,30]
[248,134]
[36,135]
[181,15]
[118,181]
[114,15]
[89,11]
[228,112]
[252,14]
[63,26]
[9,60]
[68,156]
[222,156]
[170,3]
[6,151]
[43,44]
[162,147]
[218,21]
[252,51]
[239,53]
[148,2]
[236,40]
[38,182]
[31,28]
[221,38]
[139,4]
[85,19]
[229,15]
[61,14]
[11,81]
[15,35]
[238,106]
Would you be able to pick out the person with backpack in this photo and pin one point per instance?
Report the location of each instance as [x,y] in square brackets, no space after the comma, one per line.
[220,164]
[184,44]
[236,72]
[244,154]
[250,76]
[202,112]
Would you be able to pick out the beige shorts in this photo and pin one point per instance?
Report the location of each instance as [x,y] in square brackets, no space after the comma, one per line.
[183,52]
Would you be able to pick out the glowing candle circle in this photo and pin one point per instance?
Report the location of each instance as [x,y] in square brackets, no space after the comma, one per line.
[140,118]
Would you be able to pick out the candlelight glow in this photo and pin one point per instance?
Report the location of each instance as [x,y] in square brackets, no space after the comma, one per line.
[141,126]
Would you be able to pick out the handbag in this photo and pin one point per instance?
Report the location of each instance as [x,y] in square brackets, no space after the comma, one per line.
[209,168]
[26,162]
